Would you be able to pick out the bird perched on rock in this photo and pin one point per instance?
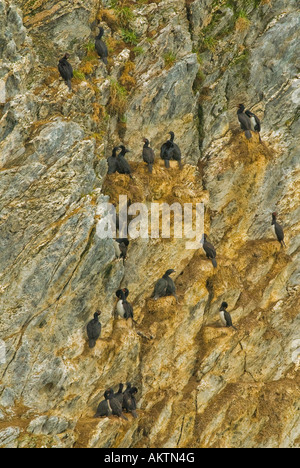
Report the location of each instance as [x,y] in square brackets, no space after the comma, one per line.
[119,394]
[94,329]
[170,150]
[210,251]
[104,408]
[165,286]
[278,230]
[175,150]
[129,401]
[66,70]
[244,121]
[171,288]
[166,153]
[124,308]
[112,161]
[110,405]
[123,246]
[148,155]
[225,316]
[128,387]
[122,165]
[101,47]
[255,122]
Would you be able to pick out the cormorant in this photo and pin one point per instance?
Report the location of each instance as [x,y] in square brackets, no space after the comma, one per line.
[171,288]
[175,150]
[225,316]
[94,329]
[129,401]
[104,408]
[110,405]
[112,161]
[123,166]
[244,121]
[210,251]
[128,387]
[255,122]
[166,153]
[124,308]
[148,155]
[101,47]
[119,394]
[66,70]
[165,286]
[278,230]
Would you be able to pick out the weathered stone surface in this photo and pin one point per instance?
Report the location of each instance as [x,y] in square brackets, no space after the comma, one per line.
[185,67]
[8,437]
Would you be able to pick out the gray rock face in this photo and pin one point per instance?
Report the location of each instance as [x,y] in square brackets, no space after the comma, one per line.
[8,437]
[191,63]
[48,426]
[169,99]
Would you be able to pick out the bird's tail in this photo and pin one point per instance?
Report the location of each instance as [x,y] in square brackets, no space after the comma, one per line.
[69,85]
[248,134]
[104,60]
[214,262]
[123,417]
[92,343]
[150,168]
[180,165]
[283,243]
[167,163]
[134,413]
[234,328]
[260,140]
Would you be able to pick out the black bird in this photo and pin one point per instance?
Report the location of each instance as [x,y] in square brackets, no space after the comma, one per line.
[225,316]
[101,47]
[94,329]
[148,155]
[128,387]
[110,405]
[166,152]
[278,230]
[123,246]
[127,390]
[122,165]
[171,288]
[119,394]
[210,251]
[112,161]
[104,408]
[244,121]
[175,150]
[66,70]
[129,401]
[165,286]
[124,308]
[255,122]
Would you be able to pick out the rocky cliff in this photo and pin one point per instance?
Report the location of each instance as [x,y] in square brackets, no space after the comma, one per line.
[173,65]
